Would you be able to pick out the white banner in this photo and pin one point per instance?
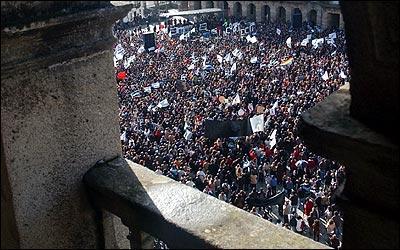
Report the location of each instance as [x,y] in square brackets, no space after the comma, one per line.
[278,31]
[219,58]
[164,103]
[236,100]
[253,60]
[325,76]
[289,42]
[257,123]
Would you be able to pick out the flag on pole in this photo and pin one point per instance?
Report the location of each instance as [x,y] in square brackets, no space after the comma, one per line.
[325,76]
[287,62]
[289,42]
[257,123]
[253,59]
[236,100]
[233,68]
[272,111]
[164,103]
[278,31]
[219,58]
[304,42]
[342,75]
[188,135]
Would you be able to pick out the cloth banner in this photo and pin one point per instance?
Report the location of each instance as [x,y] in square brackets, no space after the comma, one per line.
[287,62]
[164,103]
[317,42]
[236,100]
[223,129]
[219,58]
[203,27]
[155,85]
[342,75]
[233,68]
[253,60]
[272,110]
[325,76]
[257,123]
[278,31]
[147,89]
[289,42]
[188,135]
[304,42]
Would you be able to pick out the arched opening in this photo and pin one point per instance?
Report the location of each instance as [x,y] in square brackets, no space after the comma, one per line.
[238,10]
[333,20]
[226,8]
[297,18]
[266,14]
[281,17]
[251,12]
[312,17]
[197,5]
[209,4]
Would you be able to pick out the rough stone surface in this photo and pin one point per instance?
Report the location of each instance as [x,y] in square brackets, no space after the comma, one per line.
[59,116]
[56,124]
[323,9]
[329,130]
[370,196]
[182,216]
[372,35]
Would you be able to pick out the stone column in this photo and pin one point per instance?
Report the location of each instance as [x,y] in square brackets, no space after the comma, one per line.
[59,115]
[259,11]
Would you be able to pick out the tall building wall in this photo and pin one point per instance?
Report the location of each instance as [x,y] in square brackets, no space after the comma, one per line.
[323,10]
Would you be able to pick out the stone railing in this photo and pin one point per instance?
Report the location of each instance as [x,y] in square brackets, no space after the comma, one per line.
[179,215]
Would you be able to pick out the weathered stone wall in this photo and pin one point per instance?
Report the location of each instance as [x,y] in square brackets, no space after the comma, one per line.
[59,116]
[322,9]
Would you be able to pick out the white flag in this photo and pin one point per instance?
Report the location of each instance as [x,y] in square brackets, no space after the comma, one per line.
[233,68]
[155,85]
[219,58]
[289,42]
[272,137]
[304,42]
[253,39]
[164,103]
[119,52]
[182,36]
[325,76]
[193,30]
[140,50]
[272,110]
[236,100]
[253,59]
[332,35]
[248,38]
[309,37]
[227,58]
[257,123]
[128,61]
[191,66]
[342,75]
[188,135]
[123,136]
[147,89]
[317,42]
[278,31]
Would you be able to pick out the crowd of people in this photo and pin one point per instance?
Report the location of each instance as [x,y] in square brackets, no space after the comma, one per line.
[170,92]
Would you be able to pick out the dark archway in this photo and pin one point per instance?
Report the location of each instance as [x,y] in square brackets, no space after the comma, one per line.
[297,18]
[226,8]
[237,8]
[333,20]
[312,17]
[197,5]
[251,12]
[281,17]
[266,14]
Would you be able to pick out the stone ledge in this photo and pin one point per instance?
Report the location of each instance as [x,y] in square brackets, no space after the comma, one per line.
[58,39]
[329,130]
[182,216]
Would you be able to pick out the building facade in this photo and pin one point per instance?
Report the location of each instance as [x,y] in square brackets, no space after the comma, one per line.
[325,14]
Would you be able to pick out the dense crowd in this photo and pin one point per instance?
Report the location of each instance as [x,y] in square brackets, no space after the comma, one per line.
[197,85]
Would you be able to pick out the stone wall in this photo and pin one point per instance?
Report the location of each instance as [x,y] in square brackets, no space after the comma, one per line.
[323,9]
[59,116]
